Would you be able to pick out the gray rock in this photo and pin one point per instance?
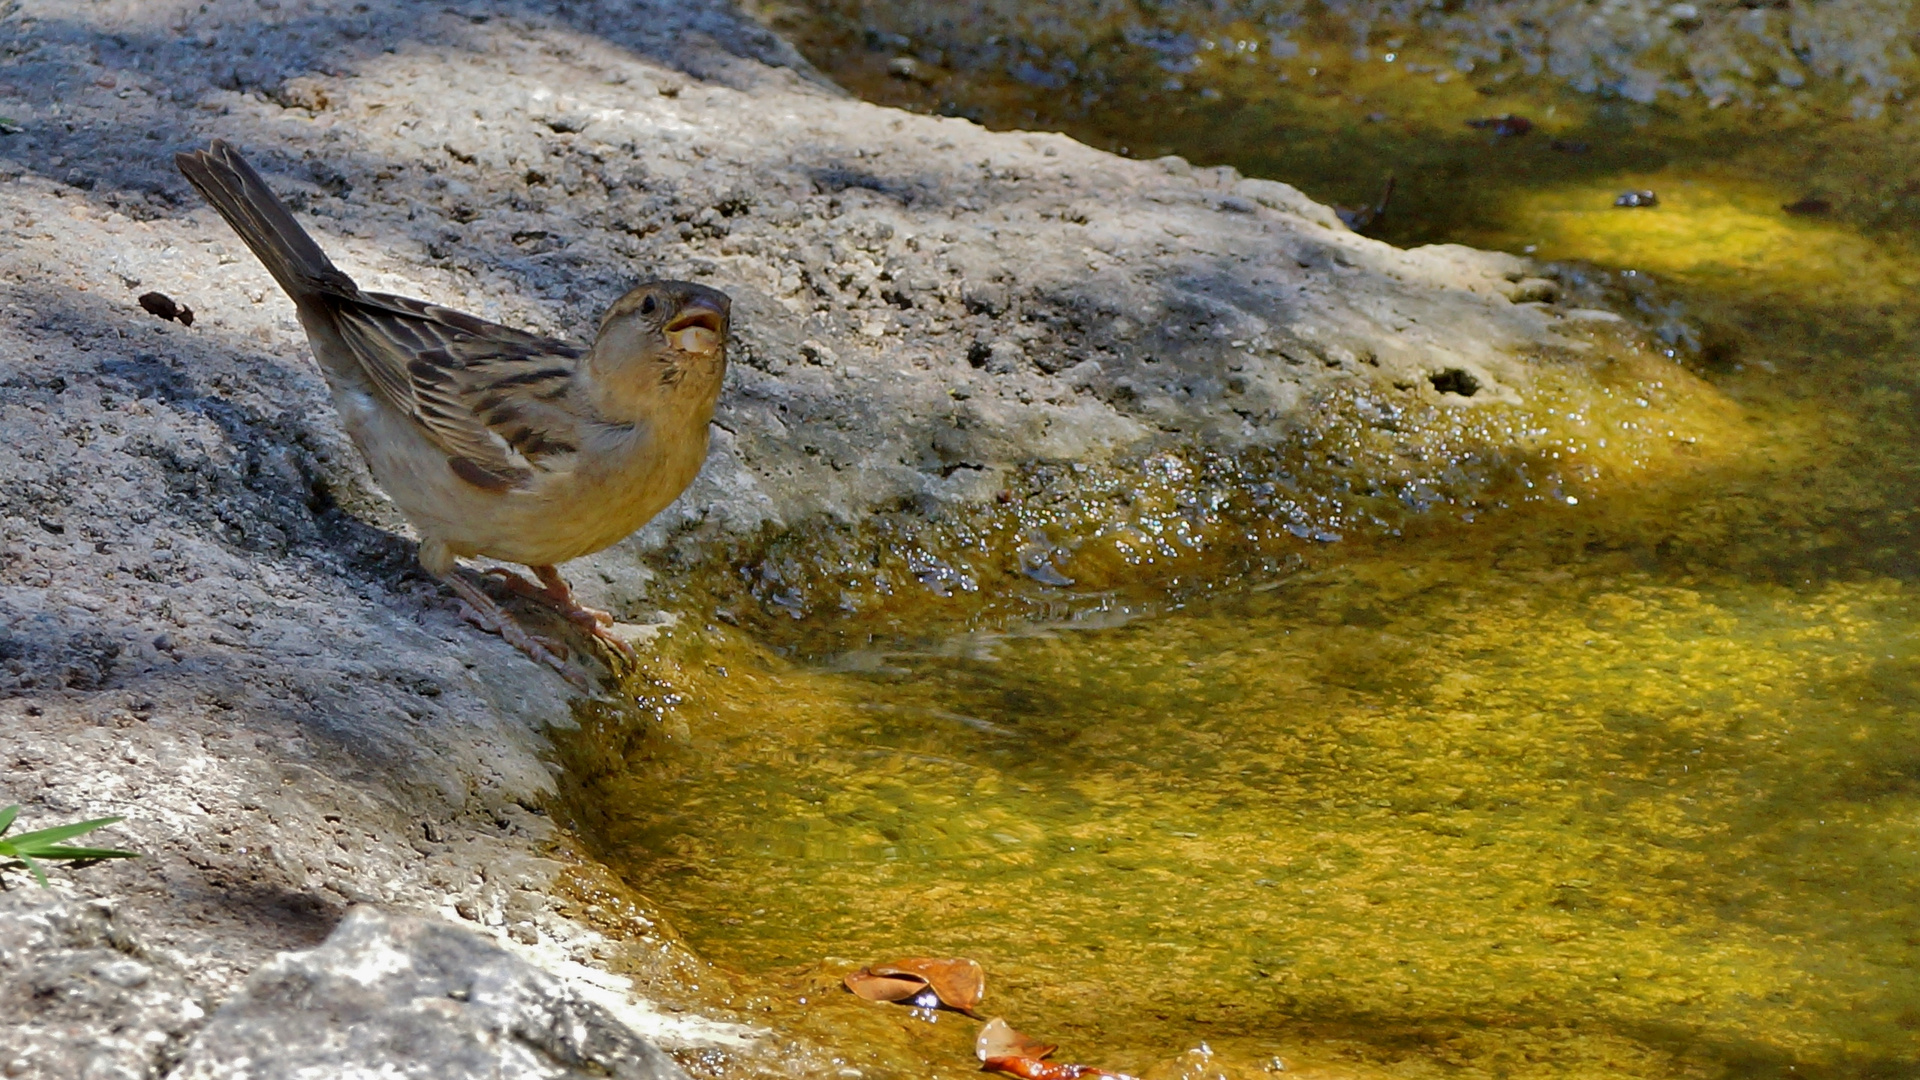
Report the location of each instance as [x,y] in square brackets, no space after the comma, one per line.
[399,997]
[81,998]
[922,307]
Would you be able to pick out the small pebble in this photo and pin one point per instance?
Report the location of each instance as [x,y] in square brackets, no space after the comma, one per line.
[162,305]
[1507,125]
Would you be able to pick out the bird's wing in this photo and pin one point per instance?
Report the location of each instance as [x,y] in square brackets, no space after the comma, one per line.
[490,396]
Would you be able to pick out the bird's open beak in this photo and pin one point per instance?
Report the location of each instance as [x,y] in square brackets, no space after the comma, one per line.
[697,328]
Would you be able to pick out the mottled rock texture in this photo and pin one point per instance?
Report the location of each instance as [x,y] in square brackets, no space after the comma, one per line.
[393,996]
[81,997]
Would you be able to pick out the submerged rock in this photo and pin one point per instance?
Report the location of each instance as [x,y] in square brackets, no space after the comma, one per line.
[1639,50]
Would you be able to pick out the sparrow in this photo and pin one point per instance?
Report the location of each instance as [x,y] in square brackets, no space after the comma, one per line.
[493,441]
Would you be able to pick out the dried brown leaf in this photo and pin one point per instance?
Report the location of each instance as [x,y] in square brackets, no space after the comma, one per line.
[999,1040]
[959,983]
[1034,1069]
[889,985]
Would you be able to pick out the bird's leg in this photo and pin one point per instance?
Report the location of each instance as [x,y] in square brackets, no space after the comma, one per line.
[479,609]
[558,595]
[562,594]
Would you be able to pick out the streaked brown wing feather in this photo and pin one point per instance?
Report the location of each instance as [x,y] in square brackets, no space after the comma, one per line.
[490,396]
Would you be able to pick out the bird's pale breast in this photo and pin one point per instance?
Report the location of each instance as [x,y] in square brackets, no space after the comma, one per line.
[617,486]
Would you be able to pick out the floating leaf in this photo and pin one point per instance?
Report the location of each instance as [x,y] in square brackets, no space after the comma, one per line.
[1034,1069]
[957,983]
[999,1040]
[1004,1050]
[877,986]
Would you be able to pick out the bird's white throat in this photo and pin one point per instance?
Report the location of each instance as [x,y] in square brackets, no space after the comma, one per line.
[694,339]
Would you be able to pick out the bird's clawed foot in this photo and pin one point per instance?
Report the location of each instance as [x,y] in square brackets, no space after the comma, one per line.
[479,609]
[554,592]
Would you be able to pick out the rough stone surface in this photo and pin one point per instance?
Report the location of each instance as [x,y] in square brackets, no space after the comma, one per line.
[210,621]
[394,996]
[203,625]
[920,303]
[81,997]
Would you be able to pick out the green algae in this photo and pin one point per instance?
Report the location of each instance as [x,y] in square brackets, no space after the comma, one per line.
[1363,463]
[1387,816]
[1587,749]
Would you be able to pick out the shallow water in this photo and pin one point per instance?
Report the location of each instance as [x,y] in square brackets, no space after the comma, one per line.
[1624,787]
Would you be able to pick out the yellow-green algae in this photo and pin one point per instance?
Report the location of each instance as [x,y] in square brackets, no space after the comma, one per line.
[1543,818]
[1497,784]
[1364,462]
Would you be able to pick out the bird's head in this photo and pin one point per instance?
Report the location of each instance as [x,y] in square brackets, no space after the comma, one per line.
[662,345]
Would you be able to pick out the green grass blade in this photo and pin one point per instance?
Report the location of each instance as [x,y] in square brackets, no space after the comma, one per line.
[43,837]
[39,875]
[82,853]
[24,849]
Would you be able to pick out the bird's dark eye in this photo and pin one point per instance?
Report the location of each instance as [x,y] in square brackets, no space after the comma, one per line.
[647,306]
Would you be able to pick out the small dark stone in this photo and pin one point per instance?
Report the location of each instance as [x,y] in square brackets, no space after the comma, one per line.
[1455,381]
[163,306]
[1507,125]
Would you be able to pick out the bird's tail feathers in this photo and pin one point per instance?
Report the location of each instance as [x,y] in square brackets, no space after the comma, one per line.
[262,220]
